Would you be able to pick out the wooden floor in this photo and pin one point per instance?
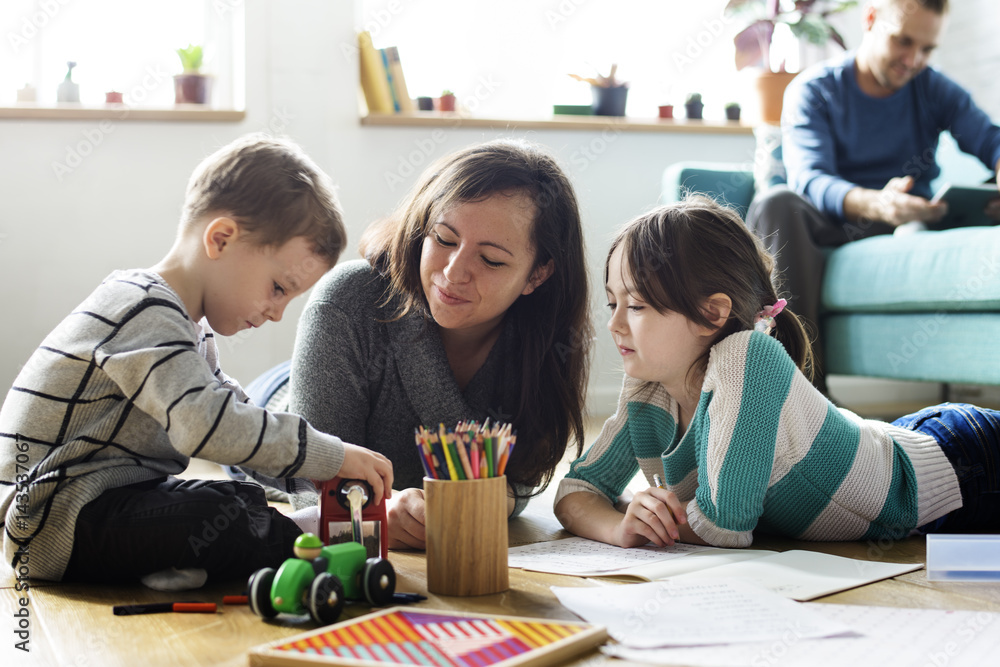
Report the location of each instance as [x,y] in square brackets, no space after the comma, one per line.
[72,624]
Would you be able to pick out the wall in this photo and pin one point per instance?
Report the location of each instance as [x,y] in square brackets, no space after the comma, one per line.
[118,208]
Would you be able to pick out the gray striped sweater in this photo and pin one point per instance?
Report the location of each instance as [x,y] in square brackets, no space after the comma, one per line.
[766,450]
[127,389]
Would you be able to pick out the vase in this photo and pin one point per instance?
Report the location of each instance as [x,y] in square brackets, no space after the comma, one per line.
[610,100]
[693,110]
[192,88]
[771,89]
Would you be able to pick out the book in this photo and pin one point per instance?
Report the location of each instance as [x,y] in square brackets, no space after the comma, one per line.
[796,574]
[397,81]
[374,79]
[434,638]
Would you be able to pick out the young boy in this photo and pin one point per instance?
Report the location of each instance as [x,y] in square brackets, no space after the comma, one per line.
[128,388]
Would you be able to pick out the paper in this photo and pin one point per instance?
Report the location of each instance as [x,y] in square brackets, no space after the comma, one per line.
[664,613]
[582,557]
[803,575]
[883,636]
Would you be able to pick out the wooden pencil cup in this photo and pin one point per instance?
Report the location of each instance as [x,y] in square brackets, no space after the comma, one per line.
[466,523]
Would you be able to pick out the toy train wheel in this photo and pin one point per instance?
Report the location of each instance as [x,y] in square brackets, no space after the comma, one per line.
[378,581]
[326,598]
[259,597]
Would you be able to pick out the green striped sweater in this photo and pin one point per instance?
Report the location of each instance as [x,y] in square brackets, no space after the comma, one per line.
[766,450]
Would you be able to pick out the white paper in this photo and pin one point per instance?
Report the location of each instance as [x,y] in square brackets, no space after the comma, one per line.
[664,613]
[803,575]
[884,636]
[582,557]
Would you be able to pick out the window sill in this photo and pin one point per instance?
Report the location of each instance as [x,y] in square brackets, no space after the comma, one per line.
[181,112]
[618,123]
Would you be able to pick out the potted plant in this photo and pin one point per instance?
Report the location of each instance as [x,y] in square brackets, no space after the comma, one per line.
[609,93]
[693,106]
[807,19]
[733,111]
[447,100]
[191,86]
[666,110]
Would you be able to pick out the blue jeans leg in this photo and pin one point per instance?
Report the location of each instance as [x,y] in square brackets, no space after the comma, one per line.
[970,437]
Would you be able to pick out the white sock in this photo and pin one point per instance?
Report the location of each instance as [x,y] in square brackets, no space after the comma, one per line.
[307,519]
[173,579]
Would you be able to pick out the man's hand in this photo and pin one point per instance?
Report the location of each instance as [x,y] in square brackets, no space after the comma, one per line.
[892,204]
[406,520]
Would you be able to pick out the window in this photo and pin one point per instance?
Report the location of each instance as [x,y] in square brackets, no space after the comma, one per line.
[512,59]
[120,45]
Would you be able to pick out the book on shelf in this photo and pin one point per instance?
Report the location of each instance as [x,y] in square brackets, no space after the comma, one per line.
[796,574]
[397,81]
[374,79]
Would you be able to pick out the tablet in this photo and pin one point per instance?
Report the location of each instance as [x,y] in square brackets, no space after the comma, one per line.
[965,205]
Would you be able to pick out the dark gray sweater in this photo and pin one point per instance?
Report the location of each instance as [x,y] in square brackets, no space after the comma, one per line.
[372,381]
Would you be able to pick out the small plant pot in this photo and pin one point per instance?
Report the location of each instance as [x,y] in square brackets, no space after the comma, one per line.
[192,88]
[732,113]
[112,97]
[425,103]
[446,103]
[666,111]
[609,101]
[693,110]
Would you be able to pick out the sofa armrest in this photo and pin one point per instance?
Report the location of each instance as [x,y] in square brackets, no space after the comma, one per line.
[729,184]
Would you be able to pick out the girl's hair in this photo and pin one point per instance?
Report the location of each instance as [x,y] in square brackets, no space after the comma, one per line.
[553,326]
[680,254]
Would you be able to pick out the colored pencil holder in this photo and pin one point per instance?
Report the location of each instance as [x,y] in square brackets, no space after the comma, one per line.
[466,524]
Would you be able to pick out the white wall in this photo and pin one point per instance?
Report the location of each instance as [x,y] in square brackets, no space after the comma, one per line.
[119,207]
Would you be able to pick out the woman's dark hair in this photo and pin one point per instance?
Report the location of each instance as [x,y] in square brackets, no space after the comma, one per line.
[680,254]
[553,324]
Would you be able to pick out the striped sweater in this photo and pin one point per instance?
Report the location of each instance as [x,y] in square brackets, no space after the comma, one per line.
[766,450]
[126,389]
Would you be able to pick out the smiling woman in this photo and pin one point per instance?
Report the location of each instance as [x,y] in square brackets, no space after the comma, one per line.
[471,304]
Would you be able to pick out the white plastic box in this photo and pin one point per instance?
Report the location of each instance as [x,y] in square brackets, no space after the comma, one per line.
[963,557]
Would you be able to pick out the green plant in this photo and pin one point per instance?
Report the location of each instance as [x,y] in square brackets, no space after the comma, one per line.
[807,19]
[732,105]
[191,58]
[446,93]
[693,98]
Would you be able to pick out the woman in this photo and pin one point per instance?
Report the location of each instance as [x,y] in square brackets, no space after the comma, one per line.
[471,303]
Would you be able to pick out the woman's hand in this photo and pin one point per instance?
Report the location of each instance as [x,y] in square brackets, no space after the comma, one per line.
[361,463]
[406,520]
[653,516]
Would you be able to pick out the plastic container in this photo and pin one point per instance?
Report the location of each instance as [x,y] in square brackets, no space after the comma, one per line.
[963,557]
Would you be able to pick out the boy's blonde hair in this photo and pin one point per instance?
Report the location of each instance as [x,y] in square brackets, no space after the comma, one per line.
[273,190]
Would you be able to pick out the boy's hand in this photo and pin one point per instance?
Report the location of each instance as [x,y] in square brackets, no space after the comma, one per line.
[406,520]
[652,516]
[361,463]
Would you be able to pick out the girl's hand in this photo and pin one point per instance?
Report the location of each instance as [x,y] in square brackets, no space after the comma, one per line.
[361,463]
[652,516]
[406,520]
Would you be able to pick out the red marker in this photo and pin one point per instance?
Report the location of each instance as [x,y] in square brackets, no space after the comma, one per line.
[163,607]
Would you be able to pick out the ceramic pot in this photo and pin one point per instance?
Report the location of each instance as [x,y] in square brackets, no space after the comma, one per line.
[192,88]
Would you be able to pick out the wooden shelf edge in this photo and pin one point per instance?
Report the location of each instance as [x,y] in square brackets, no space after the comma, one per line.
[186,112]
[615,123]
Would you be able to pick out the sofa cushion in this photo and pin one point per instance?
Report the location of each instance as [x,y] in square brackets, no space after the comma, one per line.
[934,346]
[954,270]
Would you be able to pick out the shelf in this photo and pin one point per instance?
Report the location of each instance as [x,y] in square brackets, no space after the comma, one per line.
[180,112]
[617,123]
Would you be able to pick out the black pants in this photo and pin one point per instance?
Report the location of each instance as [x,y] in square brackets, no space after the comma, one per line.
[800,237]
[223,527]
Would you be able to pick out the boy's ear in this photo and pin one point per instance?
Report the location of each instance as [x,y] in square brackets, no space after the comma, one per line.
[716,309]
[219,233]
[539,276]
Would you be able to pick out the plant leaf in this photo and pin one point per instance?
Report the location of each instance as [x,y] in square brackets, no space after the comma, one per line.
[753,45]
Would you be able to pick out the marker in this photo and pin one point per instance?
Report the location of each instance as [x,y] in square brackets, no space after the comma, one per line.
[657,482]
[163,607]
[235,599]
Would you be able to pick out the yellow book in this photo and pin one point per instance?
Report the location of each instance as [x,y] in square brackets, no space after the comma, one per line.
[374,81]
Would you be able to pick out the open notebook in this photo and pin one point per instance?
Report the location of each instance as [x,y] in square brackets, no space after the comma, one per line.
[797,574]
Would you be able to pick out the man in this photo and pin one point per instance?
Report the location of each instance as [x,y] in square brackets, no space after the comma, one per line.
[859,135]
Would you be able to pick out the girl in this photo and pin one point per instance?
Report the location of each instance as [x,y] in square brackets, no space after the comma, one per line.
[471,303]
[717,400]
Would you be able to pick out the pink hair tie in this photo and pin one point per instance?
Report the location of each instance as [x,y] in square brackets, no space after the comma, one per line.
[764,321]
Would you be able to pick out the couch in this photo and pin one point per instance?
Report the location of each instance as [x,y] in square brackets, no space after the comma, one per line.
[925,306]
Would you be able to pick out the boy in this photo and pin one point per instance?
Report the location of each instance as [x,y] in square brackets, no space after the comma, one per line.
[128,387]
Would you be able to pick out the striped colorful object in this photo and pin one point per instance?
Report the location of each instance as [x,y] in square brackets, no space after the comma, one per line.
[430,638]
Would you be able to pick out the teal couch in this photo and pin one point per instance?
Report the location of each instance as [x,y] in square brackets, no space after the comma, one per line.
[925,306]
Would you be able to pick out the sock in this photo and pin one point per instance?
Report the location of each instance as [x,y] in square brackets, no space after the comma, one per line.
[307,519]
[173,579]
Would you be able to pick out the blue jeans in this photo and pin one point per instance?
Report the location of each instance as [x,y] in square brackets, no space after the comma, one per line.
[970,438]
